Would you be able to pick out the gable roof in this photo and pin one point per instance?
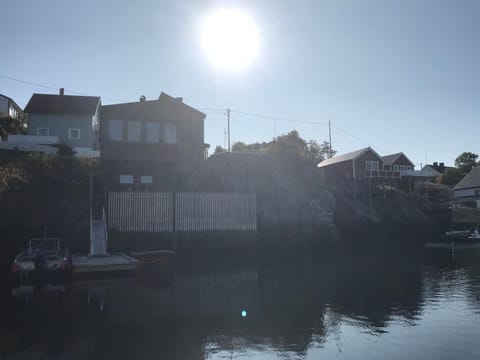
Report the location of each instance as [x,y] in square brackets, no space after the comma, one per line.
[471,180]
[62,104]
[390,159]
[347,157]
[150,108]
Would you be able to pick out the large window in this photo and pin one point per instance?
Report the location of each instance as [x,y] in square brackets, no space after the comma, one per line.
[152,132]
[74,134]
[126,179]
[146,179]
[43,131]
[170,133]
[115,130]
[134,131]
[371,165]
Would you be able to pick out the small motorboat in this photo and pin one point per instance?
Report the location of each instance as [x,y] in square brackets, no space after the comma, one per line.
[42,255]
[458,233]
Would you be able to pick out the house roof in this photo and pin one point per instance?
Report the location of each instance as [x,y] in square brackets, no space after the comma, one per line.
[390,159]
[150,106]
[62,104]
[11,100]
[346,157]
[471,180]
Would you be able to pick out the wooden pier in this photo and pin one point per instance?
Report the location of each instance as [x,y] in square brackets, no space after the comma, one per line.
[110,263]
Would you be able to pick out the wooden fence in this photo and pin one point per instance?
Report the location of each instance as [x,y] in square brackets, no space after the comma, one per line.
[182,212]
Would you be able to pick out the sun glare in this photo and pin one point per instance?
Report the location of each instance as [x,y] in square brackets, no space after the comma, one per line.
[230,39]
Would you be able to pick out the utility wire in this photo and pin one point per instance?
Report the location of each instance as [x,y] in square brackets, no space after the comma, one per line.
[55,88]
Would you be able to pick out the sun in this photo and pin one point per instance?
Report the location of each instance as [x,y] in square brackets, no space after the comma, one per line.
[230,39]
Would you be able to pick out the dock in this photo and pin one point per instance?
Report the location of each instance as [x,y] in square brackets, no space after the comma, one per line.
[112,262]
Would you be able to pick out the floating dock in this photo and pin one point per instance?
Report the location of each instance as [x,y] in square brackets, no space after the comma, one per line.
[110,263]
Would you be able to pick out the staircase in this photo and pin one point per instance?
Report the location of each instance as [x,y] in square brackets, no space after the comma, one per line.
[98,233]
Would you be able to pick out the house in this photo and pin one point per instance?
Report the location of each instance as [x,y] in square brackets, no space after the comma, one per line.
[436,168]
[398,162]
[468,189]
[73,119]
[9,108]
[357,165]
[151,145]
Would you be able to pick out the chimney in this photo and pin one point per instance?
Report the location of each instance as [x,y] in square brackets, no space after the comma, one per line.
[442,166]
[62,91]
[435,164]
[142,98]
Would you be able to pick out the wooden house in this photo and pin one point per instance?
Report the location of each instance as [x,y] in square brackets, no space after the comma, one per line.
[397,162]
[468,189]
[357,165]
[151,145]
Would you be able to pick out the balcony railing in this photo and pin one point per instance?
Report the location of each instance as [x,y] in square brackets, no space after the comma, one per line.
[379,174]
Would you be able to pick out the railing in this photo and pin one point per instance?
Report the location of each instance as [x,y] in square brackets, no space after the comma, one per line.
[91,230]
[105,229]
[379,174]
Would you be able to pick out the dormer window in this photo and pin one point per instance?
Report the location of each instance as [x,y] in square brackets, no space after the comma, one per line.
[371,165]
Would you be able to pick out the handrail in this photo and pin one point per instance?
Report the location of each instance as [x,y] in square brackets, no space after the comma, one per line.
[91,230]
[105,230]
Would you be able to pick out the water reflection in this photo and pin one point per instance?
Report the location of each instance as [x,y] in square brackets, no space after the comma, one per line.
[338,304]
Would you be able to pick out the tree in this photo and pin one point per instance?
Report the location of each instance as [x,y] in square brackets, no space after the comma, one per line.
[9,125]
[290,144]
[219,149]
[239,146]
[465,162]
[451,177]
[325,150]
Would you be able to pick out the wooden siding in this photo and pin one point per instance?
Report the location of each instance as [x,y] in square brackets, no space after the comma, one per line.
[194,212]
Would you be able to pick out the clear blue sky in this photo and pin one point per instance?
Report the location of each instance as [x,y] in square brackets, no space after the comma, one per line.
[398,75]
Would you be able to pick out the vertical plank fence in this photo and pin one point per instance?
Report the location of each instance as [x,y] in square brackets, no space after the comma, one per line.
[194,212]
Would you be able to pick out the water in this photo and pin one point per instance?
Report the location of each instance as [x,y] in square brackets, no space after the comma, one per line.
[363,304]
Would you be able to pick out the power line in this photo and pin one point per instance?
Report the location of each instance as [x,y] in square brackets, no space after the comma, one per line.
[279,118]
[55,88]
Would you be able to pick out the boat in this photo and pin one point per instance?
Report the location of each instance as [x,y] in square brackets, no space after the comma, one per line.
[458,233]
[42,255]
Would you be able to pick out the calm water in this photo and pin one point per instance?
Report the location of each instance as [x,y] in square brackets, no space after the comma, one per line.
[369,304]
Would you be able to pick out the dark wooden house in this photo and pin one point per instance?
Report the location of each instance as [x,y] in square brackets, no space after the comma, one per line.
[355,166]
[397,162]
[151,145]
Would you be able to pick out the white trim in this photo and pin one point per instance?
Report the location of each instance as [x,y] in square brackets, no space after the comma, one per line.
[70,137]
[43,128]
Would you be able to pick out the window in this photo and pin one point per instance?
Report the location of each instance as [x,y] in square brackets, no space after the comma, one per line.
[115,130]
[402,167]
[170,134]
[408,167]
[43,131]
[396,168]
[74,134]
[134,132]
[126,179]
[152,132]
[371,165]
[146,179]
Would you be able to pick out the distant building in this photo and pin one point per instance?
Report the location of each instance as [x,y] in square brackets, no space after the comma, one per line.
[468,189]
[9,108]
[357,165]
[436,168]
[397,162]
[152,144]
[73,119]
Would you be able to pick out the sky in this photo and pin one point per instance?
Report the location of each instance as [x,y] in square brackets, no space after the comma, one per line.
[395,75]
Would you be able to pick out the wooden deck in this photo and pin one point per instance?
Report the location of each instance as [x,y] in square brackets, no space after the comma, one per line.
[113,262]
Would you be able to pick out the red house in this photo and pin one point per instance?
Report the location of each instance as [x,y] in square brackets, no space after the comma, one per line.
[397,162]
[357,165]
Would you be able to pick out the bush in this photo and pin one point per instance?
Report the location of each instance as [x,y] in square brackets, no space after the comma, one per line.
[64,150]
